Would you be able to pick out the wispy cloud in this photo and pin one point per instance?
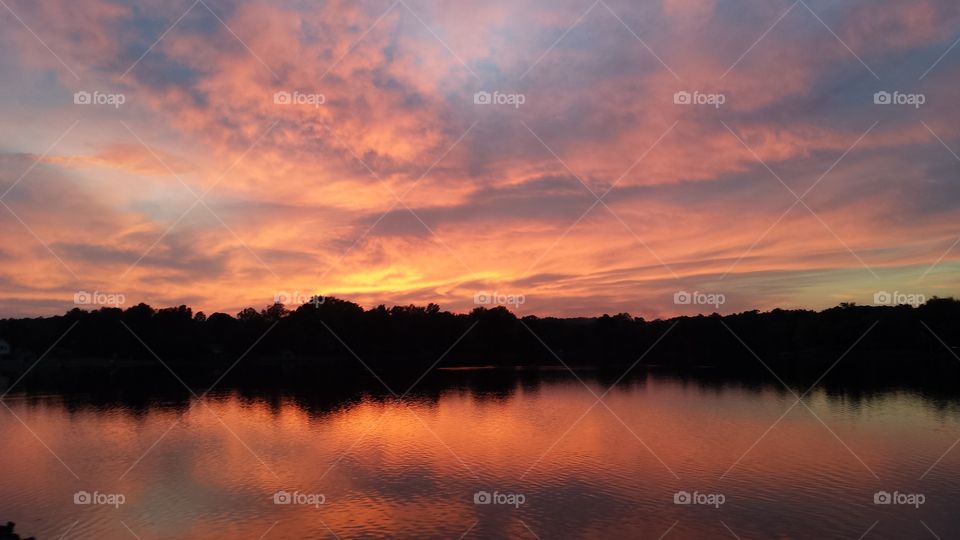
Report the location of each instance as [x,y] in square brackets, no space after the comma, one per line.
[379,92]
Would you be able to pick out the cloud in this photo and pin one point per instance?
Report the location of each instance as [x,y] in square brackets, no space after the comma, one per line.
[399,187]
[135,159]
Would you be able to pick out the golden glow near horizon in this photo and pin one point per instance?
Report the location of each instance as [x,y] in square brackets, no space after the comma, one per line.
[350,151]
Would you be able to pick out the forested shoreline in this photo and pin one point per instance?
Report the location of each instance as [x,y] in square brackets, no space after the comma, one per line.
[334,330]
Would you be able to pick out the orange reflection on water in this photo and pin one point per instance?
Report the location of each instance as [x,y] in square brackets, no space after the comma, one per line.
[411,468]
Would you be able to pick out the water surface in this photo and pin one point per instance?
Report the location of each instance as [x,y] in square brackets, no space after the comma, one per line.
[412,468]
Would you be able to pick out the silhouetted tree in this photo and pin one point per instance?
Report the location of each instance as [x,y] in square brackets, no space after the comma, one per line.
[905,337]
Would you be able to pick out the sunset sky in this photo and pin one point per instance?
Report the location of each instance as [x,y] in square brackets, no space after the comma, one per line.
[200,189]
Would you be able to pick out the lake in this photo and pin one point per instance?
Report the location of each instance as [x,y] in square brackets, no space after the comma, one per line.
[484,454]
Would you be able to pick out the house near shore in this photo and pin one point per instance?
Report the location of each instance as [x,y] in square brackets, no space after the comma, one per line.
[4,347]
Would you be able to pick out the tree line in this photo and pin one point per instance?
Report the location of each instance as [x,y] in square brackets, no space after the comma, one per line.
[335,329]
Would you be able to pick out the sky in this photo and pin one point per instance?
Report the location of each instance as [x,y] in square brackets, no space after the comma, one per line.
[561,157]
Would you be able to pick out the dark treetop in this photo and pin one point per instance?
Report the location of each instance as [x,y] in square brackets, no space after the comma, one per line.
[333,331]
